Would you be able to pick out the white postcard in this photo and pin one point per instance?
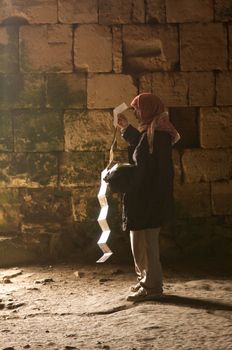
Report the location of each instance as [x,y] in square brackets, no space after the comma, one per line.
[119,109]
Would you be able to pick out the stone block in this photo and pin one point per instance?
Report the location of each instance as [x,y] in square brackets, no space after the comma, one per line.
[117,49]
[28,170]
[195,238]
[203,47]
[93,48]
[171,87]
[6,131]
[88,131]
[8,49]
[45,206]
[201,89]
[81,168]
[66,90]
[150,48]
[141,56]
[145,83]
[224,88]
[155,11]
[38,131]
[206,165]
[112,12]
[85,236]
[185,120]
[223,10]
[193,200]
[222,198]
[39,11]
[85,204]
[46,48]
[13,252]
[221,240]
[230,46]
[121,12]
[21,91]
[181,11]
[138,11]
[9,210]
[82,11]
[169,251]
[110,90]
[216,127]
[43,230]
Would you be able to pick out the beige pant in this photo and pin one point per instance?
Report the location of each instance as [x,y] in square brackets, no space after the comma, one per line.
[145,250]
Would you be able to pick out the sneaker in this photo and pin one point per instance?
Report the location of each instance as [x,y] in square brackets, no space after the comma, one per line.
[142,294]
[135,287]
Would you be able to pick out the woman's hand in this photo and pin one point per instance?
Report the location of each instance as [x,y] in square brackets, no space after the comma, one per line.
[122,121]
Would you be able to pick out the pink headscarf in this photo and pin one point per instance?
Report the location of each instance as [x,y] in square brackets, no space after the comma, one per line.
[153,117]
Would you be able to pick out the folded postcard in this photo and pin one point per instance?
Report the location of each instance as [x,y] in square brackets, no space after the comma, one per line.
[119,109]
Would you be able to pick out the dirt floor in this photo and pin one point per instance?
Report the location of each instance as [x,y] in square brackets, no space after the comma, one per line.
[85,307]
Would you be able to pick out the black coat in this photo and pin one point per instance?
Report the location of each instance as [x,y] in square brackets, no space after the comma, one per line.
[148,202]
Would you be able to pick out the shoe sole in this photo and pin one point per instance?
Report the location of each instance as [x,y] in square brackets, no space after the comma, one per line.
[144,298]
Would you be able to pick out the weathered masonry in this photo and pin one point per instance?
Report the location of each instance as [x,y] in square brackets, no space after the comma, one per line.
[64,65]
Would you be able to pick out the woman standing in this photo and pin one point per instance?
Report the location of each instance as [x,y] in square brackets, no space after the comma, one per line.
[148,202]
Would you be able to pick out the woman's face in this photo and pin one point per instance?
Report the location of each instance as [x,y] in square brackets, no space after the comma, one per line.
[137,114]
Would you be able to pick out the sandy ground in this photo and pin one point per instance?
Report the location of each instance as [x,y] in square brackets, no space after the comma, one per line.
[83,307]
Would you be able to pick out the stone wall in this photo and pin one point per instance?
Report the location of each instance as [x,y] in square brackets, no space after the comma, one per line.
[64,65]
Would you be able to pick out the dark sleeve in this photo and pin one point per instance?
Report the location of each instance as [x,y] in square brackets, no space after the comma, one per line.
[140,169]
[132,136]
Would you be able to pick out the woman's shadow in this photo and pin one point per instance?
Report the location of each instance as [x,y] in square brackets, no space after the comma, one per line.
[191,302]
